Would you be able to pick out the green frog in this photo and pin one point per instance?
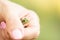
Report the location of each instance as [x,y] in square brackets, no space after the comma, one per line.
[24,21]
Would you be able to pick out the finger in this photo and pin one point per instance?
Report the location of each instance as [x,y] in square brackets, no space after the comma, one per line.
[3,31]
[13,24]
[32,31]
[14,27]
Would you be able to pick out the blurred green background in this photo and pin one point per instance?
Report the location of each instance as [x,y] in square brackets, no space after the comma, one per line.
[49,13]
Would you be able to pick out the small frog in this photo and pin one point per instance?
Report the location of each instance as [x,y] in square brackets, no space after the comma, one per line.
[25,20]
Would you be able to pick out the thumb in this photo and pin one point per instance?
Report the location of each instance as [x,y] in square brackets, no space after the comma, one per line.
[14,27]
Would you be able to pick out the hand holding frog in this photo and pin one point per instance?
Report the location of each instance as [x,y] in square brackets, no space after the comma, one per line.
[21,23]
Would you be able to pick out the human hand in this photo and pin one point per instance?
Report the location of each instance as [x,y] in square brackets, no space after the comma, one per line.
[14,14]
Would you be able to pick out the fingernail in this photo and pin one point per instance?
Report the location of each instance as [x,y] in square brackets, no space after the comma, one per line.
[17,34]
[3,25]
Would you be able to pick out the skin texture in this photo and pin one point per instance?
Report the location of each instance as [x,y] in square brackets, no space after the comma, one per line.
[12,14]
